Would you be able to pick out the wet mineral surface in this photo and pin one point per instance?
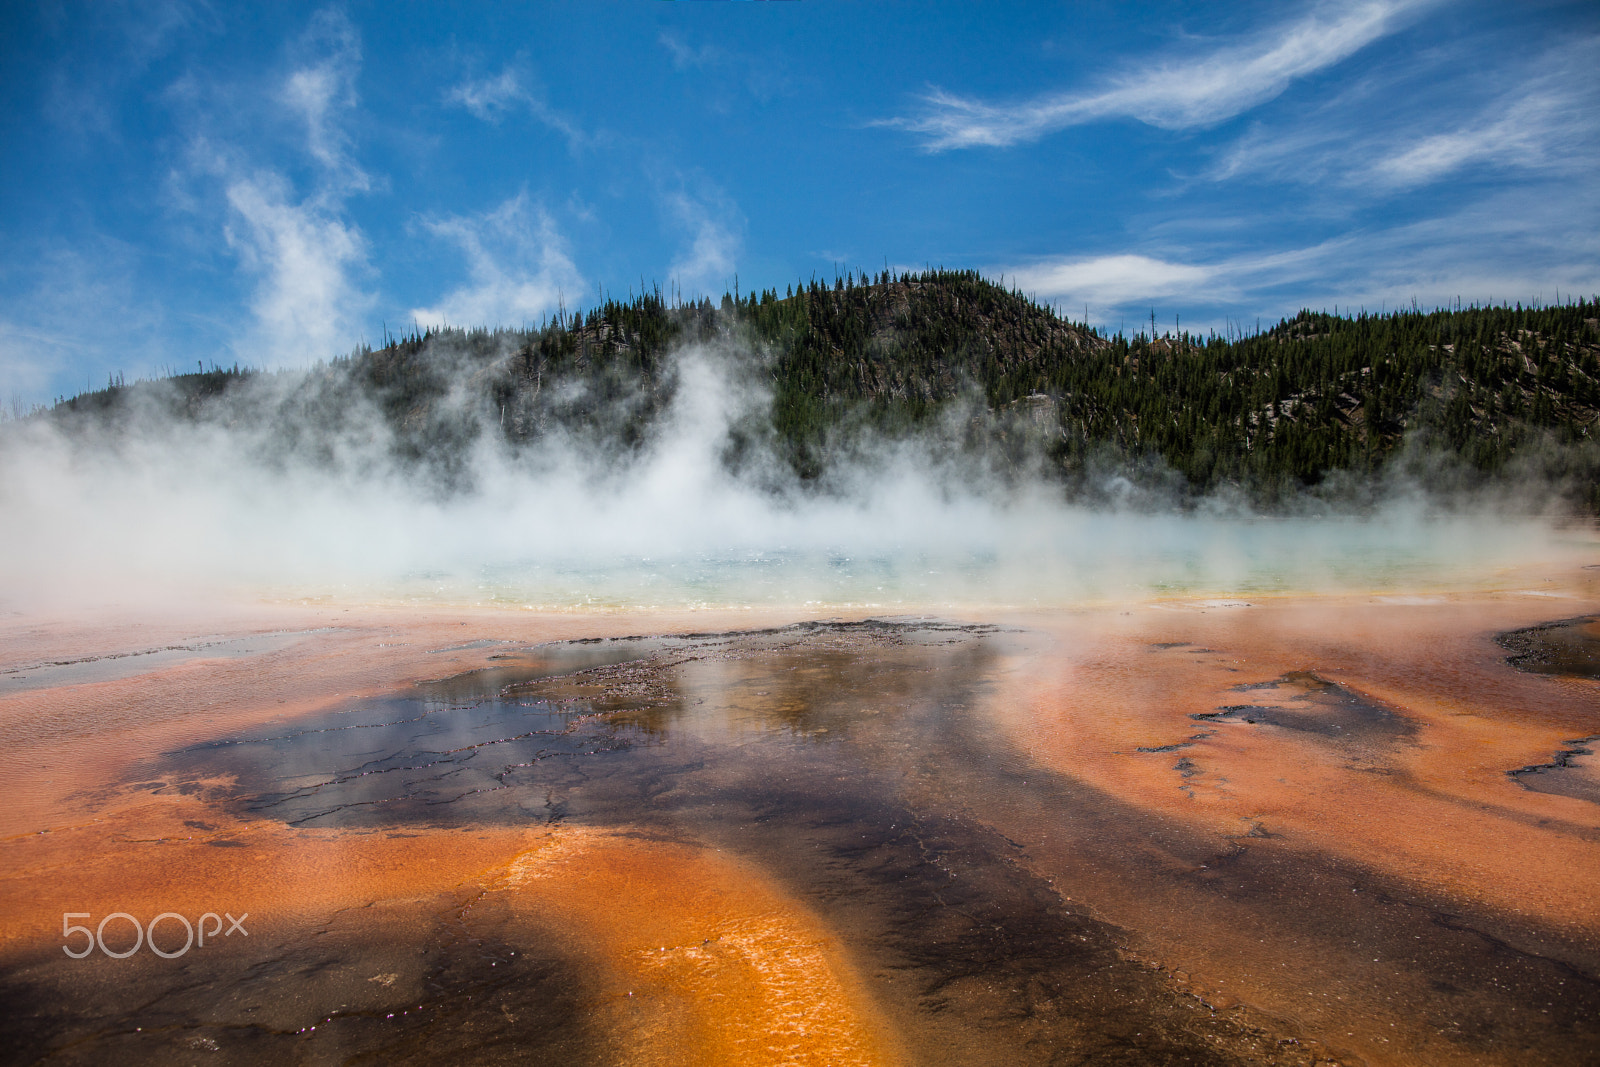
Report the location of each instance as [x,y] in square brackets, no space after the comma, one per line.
[1568,646]
[1183,836]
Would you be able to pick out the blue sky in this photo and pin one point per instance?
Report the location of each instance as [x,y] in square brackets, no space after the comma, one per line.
[276,183]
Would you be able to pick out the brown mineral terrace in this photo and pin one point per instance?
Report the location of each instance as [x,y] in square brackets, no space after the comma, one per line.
[1279,829]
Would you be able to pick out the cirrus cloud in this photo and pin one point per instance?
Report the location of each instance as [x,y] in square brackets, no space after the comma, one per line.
[1176,93]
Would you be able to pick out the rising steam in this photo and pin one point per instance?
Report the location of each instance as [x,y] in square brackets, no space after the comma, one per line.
[185,509]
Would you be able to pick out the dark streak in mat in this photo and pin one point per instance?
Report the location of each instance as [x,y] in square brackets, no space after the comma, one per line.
[1563,775]
[998,968]
[406,983]
[852,762]
[982,952]
[1320,707]
[1567,646]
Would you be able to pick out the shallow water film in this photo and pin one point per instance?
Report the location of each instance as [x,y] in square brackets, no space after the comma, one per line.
[1357,829]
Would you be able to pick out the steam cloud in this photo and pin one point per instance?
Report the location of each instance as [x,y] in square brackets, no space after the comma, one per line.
[200,509]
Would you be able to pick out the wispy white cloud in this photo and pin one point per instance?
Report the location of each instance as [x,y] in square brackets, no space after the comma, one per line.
[1173,93]
[1112,284]
[489,98]
[1546,127]
[512,90]
[1541,115]
[1516,138]
[732,76]
[1116,279]
[714,229]
[308,258]
[308,303]
[684,56]
[1520,244]
[322,90]
[517,261]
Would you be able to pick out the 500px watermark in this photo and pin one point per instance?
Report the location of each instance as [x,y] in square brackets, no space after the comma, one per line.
[96,938]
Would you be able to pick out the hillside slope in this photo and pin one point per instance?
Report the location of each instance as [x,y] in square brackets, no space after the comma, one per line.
[1481,392]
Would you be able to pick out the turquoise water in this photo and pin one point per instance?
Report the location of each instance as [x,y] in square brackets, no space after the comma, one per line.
[1104,558]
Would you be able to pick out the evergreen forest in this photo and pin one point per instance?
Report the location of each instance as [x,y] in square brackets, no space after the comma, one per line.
[1470,397]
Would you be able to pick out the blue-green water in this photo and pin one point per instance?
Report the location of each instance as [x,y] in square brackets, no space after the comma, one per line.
[1096,559]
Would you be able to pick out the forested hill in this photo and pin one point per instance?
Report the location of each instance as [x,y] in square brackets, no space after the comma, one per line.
[955,357]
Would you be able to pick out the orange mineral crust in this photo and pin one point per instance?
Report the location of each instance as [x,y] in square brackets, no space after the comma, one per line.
[1285,830]
[1315,784]
[703,960]
[1378,731]
[689,955]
